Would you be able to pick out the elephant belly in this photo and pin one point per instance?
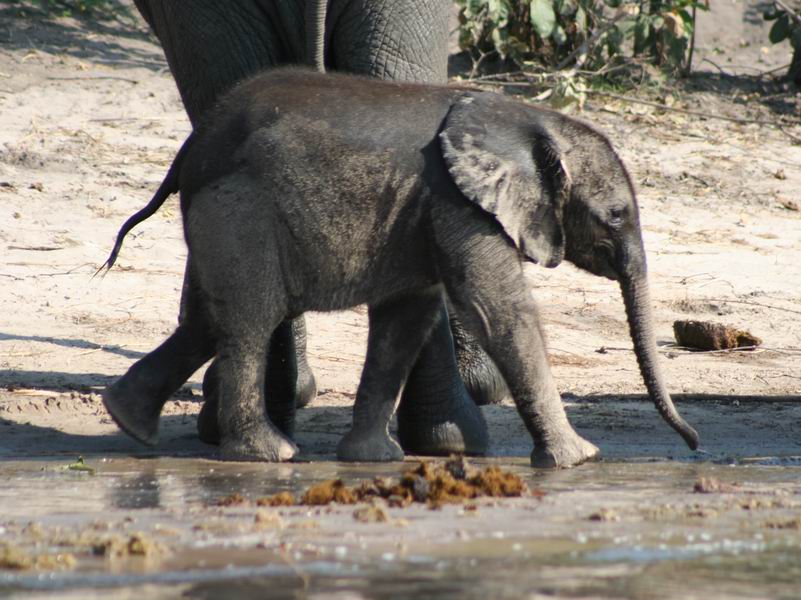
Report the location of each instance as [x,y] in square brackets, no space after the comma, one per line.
[364,263]
[301,249]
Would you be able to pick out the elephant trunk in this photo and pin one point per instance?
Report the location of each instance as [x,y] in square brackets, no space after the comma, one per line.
[315,33]
[638,312]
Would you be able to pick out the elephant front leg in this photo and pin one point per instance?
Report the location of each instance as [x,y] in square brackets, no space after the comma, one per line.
[517,346]
[484,280]
[398,328]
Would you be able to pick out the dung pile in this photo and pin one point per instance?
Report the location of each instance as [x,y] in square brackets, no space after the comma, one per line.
[453,482]
[706,335]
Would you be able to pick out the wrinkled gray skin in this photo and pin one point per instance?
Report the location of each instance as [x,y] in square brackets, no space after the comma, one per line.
[291,204]
[210,46]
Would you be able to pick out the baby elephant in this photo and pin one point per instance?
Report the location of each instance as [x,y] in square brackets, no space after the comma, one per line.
[304,192]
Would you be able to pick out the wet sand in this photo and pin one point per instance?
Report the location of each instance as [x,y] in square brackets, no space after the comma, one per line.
[602,530]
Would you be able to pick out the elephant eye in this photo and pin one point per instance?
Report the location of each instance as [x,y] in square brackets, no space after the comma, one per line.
[616,216]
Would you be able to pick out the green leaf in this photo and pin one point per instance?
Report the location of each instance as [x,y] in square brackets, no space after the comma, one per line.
[642,30]
[772,14]
[474,6]
[614,41]
[795,40]
[500,38]
[565,8]
[656,22]
[780,30]
[80,465]
[625,26]
[542,17]
[581,20]
[559,36]
[499,12]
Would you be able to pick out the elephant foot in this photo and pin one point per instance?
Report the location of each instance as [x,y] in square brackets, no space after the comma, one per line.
[135,412]
[370,446]
[208,428]
[564,453]
[259,443]
[306,388]
[461,430]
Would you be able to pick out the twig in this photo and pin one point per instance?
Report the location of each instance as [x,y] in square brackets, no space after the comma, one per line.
[36,248]
[773,70]
[790,11]
[118,119]
[517,83]
[477,63]
[588,44]
[684,111]
[506,75]
[790,135]
[690,350]
[754,349]
[688,69]
[718,67]
[695,113]
[114,77]
[790,310]
[748,67]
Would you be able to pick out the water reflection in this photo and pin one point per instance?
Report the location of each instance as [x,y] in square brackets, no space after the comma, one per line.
[549,547]
[138,491]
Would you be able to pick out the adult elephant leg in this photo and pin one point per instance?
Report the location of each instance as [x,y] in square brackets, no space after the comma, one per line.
[136,399]
[407,40]
[404,40]
[436,415]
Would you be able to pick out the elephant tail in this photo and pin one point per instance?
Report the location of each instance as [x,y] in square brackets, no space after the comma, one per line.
[168,187]
[315,33]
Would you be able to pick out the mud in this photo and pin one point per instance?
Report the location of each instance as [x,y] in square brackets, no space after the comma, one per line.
[602,530]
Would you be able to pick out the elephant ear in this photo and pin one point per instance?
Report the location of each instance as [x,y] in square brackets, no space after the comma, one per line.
[501,157]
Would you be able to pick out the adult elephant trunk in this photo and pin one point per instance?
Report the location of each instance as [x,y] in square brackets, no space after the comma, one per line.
[315,33]
[634,286]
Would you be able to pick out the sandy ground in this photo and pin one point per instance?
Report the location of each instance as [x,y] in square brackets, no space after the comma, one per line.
[90,118]
[89,121]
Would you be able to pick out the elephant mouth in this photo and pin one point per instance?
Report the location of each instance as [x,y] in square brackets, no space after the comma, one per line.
[600,259]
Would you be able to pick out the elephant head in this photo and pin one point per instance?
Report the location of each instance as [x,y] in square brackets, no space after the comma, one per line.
[558,190]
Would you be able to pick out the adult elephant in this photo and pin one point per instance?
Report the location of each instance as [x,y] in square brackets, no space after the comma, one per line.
[210,46]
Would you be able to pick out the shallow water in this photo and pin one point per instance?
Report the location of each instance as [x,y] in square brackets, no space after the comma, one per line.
[631,530]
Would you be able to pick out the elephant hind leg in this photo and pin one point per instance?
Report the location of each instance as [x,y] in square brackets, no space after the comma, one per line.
[246,432]
[241,274]
[245,319]
[289,383]
[398,329]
